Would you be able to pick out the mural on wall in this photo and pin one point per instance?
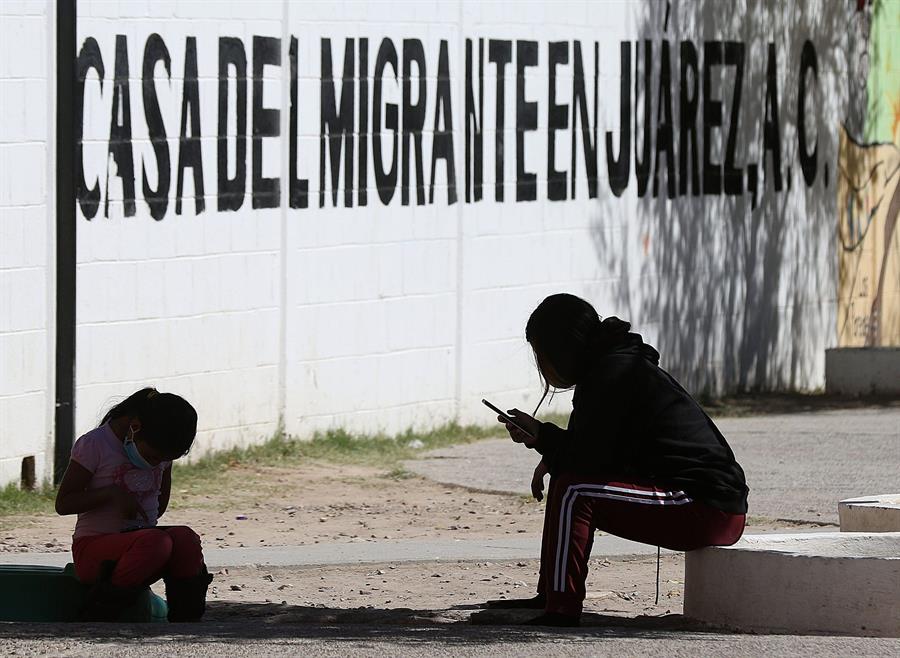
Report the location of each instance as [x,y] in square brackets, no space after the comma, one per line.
[869,181]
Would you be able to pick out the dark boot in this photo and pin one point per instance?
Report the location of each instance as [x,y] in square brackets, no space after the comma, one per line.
[186,597]
[105,601]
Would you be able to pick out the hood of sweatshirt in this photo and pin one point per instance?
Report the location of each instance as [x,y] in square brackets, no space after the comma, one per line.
[633,344]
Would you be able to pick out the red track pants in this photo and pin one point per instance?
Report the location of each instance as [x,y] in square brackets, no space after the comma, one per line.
[142,556]
[639,511]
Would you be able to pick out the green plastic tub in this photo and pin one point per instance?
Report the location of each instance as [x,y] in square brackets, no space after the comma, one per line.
[54,594]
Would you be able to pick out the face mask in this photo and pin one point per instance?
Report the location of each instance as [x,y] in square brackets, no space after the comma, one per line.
[134,455]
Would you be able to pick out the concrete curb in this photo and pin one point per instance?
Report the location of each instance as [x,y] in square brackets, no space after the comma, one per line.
[834,583]
[879,513]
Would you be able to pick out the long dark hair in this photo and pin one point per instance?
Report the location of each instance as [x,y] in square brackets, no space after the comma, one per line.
[565,331]
[168,421]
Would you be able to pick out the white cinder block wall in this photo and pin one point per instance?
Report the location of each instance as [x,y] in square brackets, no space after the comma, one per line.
[372,304]
[26,226]
[189,303]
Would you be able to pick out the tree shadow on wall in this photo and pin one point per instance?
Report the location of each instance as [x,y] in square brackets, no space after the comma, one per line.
[737,290]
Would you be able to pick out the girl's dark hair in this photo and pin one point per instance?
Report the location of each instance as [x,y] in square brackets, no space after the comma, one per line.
[168,421]
[567,332]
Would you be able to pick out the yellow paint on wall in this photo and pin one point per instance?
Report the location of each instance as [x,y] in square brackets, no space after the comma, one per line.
[868,244]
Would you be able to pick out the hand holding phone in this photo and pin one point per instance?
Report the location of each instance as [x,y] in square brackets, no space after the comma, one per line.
[509,420]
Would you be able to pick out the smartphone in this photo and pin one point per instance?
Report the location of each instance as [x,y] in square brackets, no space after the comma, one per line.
[506,417]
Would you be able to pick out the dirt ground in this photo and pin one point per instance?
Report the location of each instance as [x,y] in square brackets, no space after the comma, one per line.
[408,593]
[328,503]
[310,504]
[264,506]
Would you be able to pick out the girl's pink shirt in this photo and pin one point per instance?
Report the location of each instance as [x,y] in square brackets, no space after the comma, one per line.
[102,453]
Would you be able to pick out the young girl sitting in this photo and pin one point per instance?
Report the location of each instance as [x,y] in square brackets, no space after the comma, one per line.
[639,459]
[118,482]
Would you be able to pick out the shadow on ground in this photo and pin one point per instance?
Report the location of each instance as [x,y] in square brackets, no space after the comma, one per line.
[271,621]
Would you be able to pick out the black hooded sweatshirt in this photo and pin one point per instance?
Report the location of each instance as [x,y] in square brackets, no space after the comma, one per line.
[631,418]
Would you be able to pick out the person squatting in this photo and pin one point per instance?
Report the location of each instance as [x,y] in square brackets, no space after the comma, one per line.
[118,482]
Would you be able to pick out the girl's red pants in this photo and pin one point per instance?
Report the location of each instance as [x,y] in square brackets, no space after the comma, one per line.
[142,556]
[639,511]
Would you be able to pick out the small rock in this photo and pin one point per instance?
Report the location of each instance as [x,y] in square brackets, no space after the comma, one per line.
[236,588]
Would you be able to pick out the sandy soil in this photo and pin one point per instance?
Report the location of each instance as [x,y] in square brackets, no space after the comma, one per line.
[264,506]
[312,504]
[327,503]
[623,587]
